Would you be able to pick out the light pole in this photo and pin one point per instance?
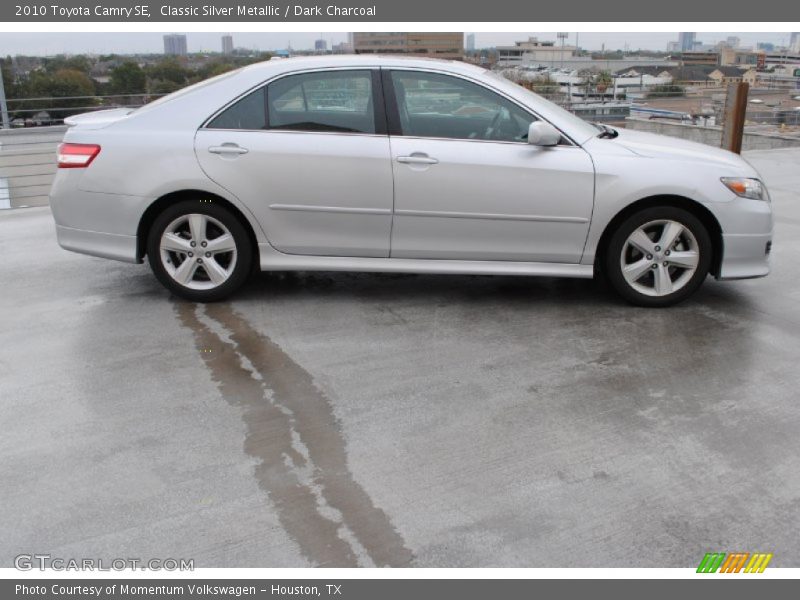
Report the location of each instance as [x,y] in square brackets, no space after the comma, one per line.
[3,106]
[562,36]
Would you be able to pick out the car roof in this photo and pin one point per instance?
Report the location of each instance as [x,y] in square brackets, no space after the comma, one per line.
[285,65]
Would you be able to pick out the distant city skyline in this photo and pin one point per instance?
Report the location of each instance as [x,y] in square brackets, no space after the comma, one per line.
[48,44]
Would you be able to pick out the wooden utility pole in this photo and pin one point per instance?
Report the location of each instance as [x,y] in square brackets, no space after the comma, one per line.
[733,115]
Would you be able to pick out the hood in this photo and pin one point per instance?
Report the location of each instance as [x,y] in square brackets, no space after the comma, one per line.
[652,145]
[98,119]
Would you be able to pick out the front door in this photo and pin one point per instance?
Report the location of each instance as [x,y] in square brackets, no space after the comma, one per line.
[469,187]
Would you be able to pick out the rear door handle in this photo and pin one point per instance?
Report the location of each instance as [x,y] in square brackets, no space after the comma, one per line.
[228,149]
[417,159]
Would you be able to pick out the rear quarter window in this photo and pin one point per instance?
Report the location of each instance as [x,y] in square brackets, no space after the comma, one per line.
[247,113]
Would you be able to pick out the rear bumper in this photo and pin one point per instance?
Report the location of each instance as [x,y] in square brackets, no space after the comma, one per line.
[745,255]
[93,223]
[95,243]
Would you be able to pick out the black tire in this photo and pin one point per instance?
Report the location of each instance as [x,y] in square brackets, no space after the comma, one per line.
[612,266]
[239,267]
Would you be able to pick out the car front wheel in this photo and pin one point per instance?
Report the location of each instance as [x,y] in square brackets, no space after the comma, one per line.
[199,250]
[658,256]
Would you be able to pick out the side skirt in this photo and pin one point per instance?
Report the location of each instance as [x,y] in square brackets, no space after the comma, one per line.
[272,260]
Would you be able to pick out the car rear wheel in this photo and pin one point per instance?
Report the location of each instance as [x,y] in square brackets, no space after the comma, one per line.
[658,256]
[199,250]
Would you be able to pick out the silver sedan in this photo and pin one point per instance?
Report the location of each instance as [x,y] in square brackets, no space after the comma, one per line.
[364,163]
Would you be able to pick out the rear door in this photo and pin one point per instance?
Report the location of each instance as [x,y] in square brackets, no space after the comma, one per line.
[309,155]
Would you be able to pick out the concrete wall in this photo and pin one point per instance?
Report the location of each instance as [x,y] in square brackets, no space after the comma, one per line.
[28,164]
[710,135]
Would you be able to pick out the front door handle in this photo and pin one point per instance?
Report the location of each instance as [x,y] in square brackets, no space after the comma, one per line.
[417,159]
[228,149]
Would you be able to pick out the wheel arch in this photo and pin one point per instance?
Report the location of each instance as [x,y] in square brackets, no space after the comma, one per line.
[706,217]
[156,207]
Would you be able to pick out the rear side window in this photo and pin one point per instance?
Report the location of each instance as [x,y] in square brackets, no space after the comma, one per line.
[247,113]
[325,101]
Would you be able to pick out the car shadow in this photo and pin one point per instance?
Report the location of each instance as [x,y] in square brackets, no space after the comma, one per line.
[532,291]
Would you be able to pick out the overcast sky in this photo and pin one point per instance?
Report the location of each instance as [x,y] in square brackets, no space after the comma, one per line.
[44,44]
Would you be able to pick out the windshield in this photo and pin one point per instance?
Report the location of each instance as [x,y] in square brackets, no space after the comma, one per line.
[560,116]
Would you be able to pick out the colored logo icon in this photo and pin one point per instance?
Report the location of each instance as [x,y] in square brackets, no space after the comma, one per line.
[736,562]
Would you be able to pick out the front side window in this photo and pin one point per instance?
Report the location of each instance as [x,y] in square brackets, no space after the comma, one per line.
[441,106]
[324,101]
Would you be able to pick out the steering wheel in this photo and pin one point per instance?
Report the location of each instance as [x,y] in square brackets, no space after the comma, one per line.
[501,114]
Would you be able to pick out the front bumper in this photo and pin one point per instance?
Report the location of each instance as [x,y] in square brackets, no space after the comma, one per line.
[747,227]
[745,255]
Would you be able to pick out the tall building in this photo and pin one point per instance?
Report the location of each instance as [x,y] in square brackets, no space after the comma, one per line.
[532,51]
[733,41]
[686,41]
[320,45]
[227,44]
[794,42]
[175,44]
[470,42]
[437,45]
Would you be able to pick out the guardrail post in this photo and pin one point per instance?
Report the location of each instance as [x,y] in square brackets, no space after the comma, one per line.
[734,116]
[3,106]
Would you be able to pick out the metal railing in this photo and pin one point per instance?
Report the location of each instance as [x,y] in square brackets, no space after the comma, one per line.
[28,146]
[28,165]
[28,151]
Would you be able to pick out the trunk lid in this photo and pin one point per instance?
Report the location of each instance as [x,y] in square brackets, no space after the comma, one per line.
[97,119]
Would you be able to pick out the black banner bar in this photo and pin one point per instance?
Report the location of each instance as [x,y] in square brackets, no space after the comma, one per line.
[398,11]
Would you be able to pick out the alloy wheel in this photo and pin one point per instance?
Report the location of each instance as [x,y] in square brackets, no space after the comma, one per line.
[198,251]
[660,257]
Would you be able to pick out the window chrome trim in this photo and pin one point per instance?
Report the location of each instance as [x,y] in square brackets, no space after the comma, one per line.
[494,90]
[506,142]
[373,67]
[352,133]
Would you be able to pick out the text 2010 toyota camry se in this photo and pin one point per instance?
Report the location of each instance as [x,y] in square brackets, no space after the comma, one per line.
[365,163]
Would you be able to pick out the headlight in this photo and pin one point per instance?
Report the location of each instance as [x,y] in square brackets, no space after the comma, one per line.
[746,188]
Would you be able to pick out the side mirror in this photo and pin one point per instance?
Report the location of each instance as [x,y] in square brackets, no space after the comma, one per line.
[543,134]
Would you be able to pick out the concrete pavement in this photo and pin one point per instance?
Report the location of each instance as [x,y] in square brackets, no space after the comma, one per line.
[359,419]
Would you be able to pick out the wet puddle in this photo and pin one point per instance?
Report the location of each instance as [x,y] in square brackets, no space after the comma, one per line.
[292,432]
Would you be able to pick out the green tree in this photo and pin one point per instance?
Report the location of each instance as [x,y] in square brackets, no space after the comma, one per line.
[127,78]
[160,86]
[62,93]
[62,62]
[10,83]
[168,69]
[544,86]
[666,91]
[603,80]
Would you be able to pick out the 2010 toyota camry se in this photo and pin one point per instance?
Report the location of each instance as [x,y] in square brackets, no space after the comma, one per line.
[364,163]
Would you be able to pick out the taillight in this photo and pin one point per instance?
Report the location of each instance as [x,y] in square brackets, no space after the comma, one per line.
[76,156]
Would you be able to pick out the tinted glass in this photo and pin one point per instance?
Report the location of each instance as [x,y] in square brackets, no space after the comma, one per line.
[247,113]
[325,101]
[433,105]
